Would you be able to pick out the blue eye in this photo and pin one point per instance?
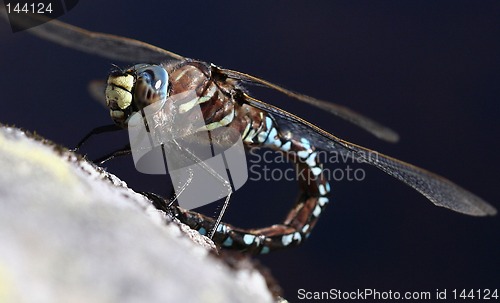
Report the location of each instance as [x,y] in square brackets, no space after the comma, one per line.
[154,75]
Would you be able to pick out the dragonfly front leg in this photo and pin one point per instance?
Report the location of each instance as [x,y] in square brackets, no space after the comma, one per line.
[301,218]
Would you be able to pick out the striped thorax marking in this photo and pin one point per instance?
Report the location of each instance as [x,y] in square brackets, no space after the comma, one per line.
[222,122]
[198,100]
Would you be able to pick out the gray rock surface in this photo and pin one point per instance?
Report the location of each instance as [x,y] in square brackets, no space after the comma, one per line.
[71,232]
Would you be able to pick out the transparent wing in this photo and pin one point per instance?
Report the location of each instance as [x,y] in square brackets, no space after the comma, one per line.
[365,123]
[130,50]
[96,89]
[104,45]
[440,191]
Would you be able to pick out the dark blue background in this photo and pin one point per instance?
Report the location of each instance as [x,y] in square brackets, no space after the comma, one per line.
[429,70]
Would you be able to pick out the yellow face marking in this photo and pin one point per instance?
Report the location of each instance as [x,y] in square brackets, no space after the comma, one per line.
[118,114]
[125,81]
[119,90]
[122,97]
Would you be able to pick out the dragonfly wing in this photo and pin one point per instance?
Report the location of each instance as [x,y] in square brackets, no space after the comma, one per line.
[101,44]
[130,50]
[343,112]
[440,191]
[96,89]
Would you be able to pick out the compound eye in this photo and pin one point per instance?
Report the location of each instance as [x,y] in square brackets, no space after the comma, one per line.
[154,75]
[160,77]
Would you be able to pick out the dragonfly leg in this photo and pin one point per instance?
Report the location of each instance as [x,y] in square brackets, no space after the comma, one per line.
[96,131]
[124,151]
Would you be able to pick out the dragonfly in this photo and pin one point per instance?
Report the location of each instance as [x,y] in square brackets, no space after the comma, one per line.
[158,75]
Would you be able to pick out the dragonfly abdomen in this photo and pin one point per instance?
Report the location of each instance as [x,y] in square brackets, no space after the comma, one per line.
[303,215]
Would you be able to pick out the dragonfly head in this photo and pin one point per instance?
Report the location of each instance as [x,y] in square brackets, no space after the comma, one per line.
[129,91]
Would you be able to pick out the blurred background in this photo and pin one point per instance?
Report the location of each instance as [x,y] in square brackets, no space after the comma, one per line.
[429,70]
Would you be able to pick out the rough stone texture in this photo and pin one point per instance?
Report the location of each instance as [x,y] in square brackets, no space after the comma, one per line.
[70,232]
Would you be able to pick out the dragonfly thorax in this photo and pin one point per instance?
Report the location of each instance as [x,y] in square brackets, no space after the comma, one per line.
[131,90]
